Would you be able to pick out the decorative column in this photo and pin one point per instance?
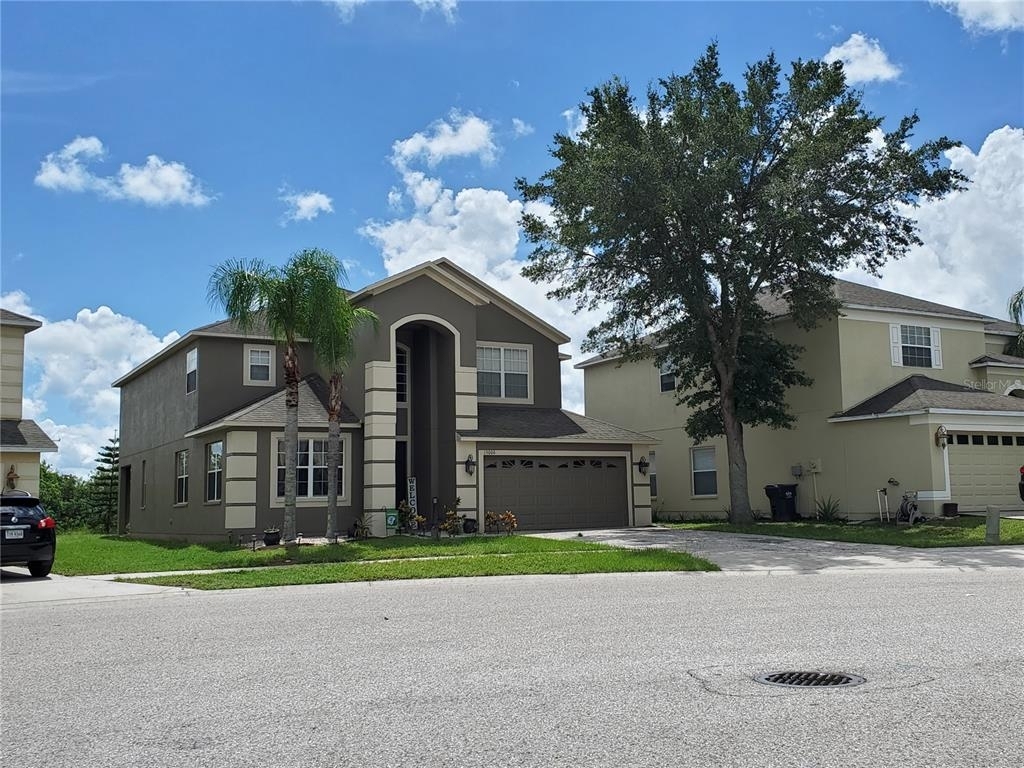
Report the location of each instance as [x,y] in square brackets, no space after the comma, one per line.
[379,444]
[240,480]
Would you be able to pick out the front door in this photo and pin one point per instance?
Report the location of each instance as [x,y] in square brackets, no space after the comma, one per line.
[401,471]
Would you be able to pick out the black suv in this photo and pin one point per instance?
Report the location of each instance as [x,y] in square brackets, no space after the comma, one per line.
[28,536]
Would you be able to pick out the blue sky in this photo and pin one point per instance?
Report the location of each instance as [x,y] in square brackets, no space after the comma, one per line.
[393,132]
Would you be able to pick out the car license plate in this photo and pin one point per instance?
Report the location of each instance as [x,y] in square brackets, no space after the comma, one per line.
[15,534]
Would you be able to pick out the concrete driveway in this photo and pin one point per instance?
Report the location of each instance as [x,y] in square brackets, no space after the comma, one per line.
[18,588]
[734,552]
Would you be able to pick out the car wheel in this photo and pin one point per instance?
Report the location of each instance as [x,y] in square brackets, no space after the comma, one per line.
[40,568]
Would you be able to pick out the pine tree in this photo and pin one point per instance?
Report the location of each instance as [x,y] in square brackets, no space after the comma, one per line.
[105,483]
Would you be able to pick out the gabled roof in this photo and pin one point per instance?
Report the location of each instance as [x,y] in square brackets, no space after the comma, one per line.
[501,422]
[270,410]
[852,294]
[24,436]
[220,328]
[917,393]
[1002,360]
[13,318]
[443,270]
[466,285]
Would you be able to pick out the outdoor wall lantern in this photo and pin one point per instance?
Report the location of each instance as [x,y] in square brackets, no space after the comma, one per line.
[942,436]
[470,464]
[643,465]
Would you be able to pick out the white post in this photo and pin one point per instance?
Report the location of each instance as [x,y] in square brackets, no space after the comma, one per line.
[992,525]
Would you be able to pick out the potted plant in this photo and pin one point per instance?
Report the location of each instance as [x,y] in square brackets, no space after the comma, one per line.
[271,536]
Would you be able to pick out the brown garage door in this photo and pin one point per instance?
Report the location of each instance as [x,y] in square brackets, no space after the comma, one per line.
[548,493]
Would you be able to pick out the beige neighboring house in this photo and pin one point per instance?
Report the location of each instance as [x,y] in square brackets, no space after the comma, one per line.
[21,440]
[903,388]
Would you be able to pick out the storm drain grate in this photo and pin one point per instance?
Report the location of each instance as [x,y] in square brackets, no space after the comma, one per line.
[811,679]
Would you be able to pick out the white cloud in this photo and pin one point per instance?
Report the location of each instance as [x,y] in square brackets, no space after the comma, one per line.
[461,135]
[346,8]
[78,445]
[77,359]
[863,60]
[17,301]
[479,230]
[304,206]
[80,357]
[973,252]
[521,127]
[65,170]
[157,183]
[983,16]
[445,7]
[575,123]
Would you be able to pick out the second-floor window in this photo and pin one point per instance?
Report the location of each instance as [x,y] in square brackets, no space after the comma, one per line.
[259,366]
[214,470]
[915,346]
[667,377]
[191,370]
[181,477]
[401,375]
[503,372]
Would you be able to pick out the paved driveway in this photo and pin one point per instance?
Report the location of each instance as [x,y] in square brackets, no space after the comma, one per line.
[17,588]
[774,554]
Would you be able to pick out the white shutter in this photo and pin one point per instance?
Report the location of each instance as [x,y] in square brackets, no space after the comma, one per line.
[896,343]
[936,348]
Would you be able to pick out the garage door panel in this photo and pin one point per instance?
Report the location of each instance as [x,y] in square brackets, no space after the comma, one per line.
[558,492]
[982,473]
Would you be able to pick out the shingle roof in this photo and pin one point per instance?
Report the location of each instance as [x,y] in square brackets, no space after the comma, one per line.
[270,411]
[850,293]
[918,393]
[513,422]
[13,318]
[24,435]
[868,296]
[1004,359]
[1002,327]
[231,328]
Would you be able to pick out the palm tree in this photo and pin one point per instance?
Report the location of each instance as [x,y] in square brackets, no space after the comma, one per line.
[286,300]
[1016,309]
[333,340]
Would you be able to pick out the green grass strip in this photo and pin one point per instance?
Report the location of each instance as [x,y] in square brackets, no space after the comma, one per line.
[80,554]
[606,561]
[954,532]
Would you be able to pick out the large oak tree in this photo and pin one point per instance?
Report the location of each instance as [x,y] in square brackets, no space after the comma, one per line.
[682,213]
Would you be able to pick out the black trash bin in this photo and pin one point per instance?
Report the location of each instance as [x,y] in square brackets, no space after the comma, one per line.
[783,501]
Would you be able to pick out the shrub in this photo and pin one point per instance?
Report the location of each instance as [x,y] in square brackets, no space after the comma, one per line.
[827,510]
[508,521]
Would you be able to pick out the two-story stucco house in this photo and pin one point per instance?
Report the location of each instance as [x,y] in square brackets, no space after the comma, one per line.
[459,388]
[21,440]
[903,388]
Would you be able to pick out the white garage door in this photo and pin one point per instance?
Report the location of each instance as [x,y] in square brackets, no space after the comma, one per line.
[985,468]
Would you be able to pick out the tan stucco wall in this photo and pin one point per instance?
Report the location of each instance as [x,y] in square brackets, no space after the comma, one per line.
[855,458]
[866,359]
[12,371]
[26,466]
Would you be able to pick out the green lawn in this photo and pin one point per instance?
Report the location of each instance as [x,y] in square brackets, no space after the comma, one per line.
[607,560]
[83,554]
[953,532]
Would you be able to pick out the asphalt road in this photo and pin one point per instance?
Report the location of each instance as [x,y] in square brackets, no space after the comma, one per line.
[606,670]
